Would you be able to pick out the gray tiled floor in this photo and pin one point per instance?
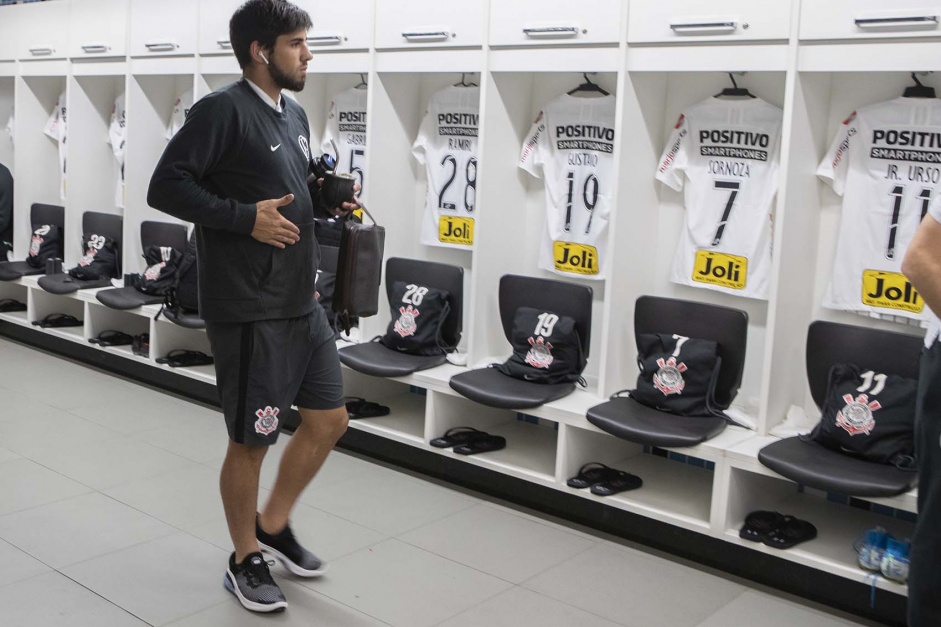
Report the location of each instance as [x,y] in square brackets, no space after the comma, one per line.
[110,515]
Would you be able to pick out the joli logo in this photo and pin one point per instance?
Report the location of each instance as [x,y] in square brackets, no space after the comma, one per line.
[890,290]
[720,269]
[575,258]
[453,230]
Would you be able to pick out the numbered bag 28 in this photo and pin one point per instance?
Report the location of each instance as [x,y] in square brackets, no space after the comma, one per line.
[546,348]
[418,315]
[678,374]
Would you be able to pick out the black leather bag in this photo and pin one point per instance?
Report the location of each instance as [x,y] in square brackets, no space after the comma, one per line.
[359,271]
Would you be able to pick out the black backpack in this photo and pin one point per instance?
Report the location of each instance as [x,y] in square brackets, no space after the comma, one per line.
[677,374]
[46,243]
[418,315]
[546,348]
[100,260]
[183,294]
[163,263]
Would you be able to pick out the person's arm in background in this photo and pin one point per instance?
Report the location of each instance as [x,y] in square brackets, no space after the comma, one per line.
[210,131]
[922,262]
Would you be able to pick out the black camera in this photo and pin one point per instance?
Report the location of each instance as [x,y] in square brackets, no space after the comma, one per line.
[321,166]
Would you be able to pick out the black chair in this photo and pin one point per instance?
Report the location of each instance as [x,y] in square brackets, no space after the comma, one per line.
[811,464]
[628,419]
[106,224]
[151,234]
[491,387]
[39,214]
[375,359]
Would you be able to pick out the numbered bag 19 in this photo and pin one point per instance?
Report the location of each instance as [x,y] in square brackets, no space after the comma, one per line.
[546,348]
[678,374]
[869,415]
[418,314]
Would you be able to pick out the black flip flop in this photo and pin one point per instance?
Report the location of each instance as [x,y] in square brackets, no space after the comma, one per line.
[590,474]
[11,304]
[112,338]
[457,435]
[56,320]
[361,408]
[792,532]
[623,482]
[481,443]
[181,358]
[759,524]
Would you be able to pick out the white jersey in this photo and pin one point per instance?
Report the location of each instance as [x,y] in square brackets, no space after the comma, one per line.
[181,107]
[886,164]
[116,137]
[346,127]
[571,147]
[447,147]
[728,150]
[57,128]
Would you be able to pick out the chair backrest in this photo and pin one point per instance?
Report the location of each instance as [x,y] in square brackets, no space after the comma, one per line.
[439,276]
[559,297]
[832,343]
[154,233]
[726,326]
[40,214]
[107,224]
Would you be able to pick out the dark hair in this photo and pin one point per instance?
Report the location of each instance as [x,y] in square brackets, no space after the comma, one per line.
[263,21]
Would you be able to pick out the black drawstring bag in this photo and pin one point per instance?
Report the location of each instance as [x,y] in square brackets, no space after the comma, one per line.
[163,264]
[46,243]
[418,315]
[677,374]
[100,260]
[546,348]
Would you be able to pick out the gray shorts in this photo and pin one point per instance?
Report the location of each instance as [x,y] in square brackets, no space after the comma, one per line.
[264,367]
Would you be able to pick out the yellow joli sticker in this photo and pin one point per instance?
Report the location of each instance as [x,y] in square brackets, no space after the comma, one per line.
[720,269]
[890,290]
[575,258]
[453,230]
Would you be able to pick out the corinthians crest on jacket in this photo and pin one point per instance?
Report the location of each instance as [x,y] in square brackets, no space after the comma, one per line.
[857,417]
[669,378]
[540,355]
[406,325]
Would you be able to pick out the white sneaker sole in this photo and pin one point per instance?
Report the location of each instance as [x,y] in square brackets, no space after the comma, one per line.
[291,566]
[250,605]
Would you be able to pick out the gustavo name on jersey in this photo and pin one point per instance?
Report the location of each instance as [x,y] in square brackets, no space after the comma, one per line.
[743,146]
[458,127]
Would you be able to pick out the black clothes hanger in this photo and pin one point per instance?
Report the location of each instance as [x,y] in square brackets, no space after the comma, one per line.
[464,82]
[735,90]
[918,90]
[589,86]
[362,82]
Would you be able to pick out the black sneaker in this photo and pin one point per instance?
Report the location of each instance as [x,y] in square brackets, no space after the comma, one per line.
[252,585]
[286,549]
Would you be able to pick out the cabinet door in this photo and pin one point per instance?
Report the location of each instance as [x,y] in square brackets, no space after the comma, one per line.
[214,16]
[43,30]
[345,25]
[429,23]
[10,20]
[163,28]
[677,21]
[98,28]
[534,22]
[866,19]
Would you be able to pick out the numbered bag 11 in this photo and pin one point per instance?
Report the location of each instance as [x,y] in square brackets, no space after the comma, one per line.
[869,415]
[678,374]
[546,348]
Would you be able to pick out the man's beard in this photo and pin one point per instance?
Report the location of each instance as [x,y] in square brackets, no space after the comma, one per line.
[283,80]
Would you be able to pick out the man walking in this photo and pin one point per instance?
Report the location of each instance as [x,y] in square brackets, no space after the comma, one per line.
[237,170]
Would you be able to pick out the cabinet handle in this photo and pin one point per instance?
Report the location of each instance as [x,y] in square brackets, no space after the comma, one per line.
[225,44]
[161,46]
[551,32]
[913,21]
[703,28]
[41,51]
[324,40]
[418,36]
[95,48]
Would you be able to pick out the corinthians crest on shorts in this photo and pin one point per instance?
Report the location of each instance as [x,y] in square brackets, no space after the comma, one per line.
[540,355]
[267,420]
[669,378]
[406,325]
[857,416]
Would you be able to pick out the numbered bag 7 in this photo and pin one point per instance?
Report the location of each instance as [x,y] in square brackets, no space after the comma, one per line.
[678,374]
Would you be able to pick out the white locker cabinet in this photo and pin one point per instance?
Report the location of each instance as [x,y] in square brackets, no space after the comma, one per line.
[866,19]
[430,23]
[340,25]
[98,28]
[553,22]
[214,16]
[9,31]
[163,28]
[658,21]
[42,30]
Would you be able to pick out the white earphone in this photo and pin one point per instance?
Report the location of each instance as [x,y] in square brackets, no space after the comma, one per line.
[263,57]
